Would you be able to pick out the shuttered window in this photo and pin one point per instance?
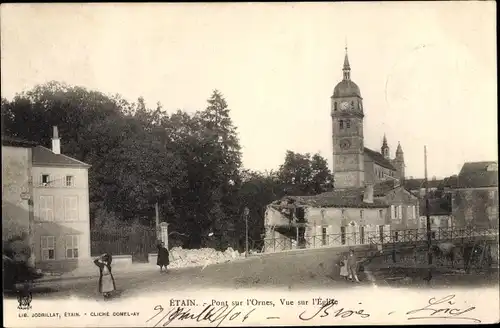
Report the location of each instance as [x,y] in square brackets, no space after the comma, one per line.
[46,208]
[72,242]
[48,248]
[71,208]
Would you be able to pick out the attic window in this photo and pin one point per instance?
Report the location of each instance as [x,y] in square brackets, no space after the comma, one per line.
[335,106]
[492,167]
[45,179]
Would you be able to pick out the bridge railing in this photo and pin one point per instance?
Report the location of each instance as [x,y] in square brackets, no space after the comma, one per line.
[372,238]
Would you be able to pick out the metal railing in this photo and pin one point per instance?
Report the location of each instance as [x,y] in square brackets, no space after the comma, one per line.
[411,236]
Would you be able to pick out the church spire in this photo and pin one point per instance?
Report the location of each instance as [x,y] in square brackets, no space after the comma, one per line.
[347,68]
[385,148]
[399,150]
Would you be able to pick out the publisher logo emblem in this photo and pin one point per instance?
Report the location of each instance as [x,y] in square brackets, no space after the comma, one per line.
[24,300]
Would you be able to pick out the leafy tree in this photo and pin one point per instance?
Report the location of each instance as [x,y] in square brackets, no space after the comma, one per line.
[302,175]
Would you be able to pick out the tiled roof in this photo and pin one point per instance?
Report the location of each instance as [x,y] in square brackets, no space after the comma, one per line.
[472,167]
[413,184]
[348,198]
[476,175]
[450,182]
[379,159]
[478,180]
[16,142]
[45,157]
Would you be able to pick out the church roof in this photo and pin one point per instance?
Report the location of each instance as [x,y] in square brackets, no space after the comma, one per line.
[379,159]
[346,88]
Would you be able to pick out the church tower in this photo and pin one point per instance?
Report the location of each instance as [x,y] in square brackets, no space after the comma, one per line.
[347,132]
[384,150]
[399,162]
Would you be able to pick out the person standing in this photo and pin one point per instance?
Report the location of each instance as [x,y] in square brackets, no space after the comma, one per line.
[106,280]
[163,256]
[352,265]
[343,267]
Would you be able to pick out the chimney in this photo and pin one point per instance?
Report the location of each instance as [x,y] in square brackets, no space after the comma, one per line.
[56,142]
[368,194]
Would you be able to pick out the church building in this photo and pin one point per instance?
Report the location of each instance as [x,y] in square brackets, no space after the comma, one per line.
[354,165]
[369,204]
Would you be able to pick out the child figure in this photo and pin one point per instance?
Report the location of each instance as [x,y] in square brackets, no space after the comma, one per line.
[343,267]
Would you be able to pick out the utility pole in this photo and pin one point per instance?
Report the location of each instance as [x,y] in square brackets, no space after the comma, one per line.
[428,223]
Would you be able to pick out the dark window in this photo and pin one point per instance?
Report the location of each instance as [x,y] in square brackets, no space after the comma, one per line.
[45,179]
[300,214]
[335,106]
[381,232]
[341,124]
[348,124]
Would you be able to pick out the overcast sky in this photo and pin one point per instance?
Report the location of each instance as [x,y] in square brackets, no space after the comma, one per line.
[427,71]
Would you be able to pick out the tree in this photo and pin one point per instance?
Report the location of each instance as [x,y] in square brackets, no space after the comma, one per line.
[302,175]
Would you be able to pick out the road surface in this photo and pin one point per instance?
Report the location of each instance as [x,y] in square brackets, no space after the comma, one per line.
[256,273]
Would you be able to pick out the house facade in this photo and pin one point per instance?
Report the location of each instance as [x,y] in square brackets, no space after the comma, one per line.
[340,218]
[61,208]
[475,196]
[439,214]
[17,194]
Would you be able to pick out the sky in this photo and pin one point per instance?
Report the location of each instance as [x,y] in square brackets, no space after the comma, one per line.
[426,70]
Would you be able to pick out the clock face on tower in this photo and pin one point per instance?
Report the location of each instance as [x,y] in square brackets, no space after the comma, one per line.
[345,144]
[344,105]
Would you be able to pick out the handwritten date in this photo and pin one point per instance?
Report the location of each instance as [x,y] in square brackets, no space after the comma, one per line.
[210,313]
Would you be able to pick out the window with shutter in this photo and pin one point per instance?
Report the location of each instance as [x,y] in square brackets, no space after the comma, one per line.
[70,208]
[72,242]
[48,245]
[46,208]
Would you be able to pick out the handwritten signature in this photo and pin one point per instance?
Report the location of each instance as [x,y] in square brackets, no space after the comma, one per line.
[342,312]
[440,309]
[209,313]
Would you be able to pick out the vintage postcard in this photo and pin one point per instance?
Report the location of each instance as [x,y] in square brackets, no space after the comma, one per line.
[249,164]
